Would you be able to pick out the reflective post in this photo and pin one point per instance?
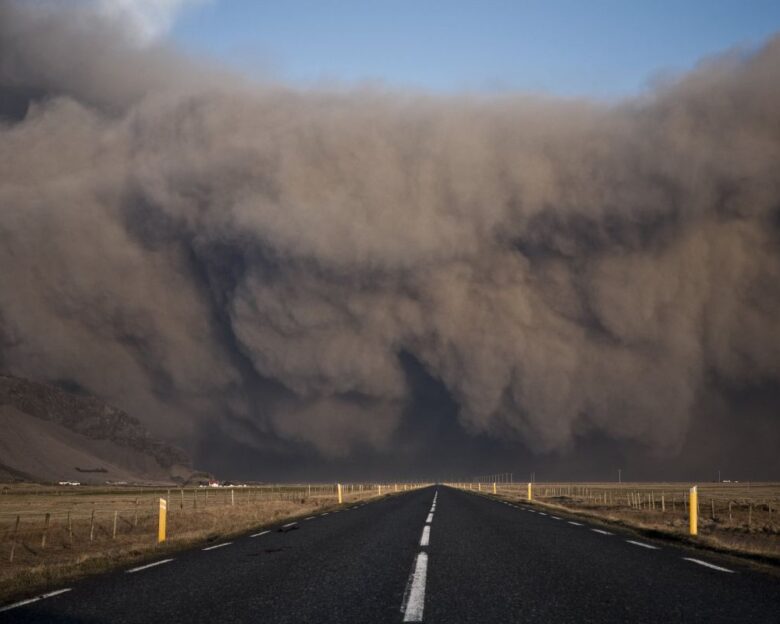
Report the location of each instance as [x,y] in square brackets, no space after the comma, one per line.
[693,508]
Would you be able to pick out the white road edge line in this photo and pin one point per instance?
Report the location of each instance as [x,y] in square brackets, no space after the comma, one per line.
[708,565]
[147,566]
[21,603]
[414,597]
[574,523]
[288,525]
[430,518]
[309,518]
[426,536]
[603,532]
[218,546]
[642,544]
[541,513]
[259,534]
[555,517]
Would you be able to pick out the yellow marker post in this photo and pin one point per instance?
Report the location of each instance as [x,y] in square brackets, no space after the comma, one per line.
[693,507]
[494,488]
[380,490]
[163,516]
[530,492]
[341,498]
[479,487]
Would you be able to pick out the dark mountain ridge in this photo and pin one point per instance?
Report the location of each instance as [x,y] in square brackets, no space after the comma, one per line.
[103,433]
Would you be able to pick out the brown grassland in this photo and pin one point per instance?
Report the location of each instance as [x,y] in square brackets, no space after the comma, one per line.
[735,518]
[50,535]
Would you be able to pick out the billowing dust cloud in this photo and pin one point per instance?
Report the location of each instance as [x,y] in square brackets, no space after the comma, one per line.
[195,248]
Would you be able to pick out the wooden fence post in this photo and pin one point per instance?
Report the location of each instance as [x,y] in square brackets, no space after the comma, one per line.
[13,542]
[45,530]
[92,526]
[113,533]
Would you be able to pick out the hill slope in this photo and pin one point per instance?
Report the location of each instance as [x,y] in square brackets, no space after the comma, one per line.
[52,434]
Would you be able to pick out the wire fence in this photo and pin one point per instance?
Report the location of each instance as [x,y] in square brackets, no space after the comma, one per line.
[83,518]
[747,507]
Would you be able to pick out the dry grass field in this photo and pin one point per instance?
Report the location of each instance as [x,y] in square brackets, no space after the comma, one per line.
[50,534]
[740,518]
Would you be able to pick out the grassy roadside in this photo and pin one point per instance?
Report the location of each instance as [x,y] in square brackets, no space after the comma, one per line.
[65,559]
[756,549]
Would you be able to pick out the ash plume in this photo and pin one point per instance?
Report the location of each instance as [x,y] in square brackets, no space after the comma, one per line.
[277,265]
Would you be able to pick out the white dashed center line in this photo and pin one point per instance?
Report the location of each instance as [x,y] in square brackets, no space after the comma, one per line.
[309,518]
[642,544]
[574,523]
[288,525]
[601,531]
[555,517]
[709,565]
[414,597]
[218,546]
[147,566]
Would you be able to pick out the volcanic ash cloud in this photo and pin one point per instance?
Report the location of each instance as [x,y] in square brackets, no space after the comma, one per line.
[193,247]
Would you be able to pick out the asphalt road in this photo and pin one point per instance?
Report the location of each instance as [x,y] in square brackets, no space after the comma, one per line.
[421,556]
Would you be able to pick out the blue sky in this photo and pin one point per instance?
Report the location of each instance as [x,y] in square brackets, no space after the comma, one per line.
[594,48]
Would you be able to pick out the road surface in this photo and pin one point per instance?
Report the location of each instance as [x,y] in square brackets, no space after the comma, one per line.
[432,555]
